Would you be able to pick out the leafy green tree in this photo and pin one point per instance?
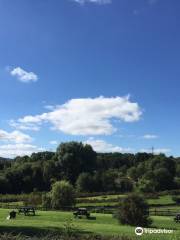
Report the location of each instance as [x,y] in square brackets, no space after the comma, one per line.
[75,158]
[164,180]
[134,211]
[124,184]
[146,185]
[85,182]
[62,195]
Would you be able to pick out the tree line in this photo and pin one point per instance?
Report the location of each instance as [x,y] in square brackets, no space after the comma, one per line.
[89,171]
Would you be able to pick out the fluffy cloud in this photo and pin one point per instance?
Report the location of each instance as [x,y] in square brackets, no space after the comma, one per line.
[13,150]
[15,136]
[93,1]
[88,116]
[157,150]
[102,146]
[150,136]
[23,75]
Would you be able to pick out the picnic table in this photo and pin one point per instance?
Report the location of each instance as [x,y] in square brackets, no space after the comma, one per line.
[26,210]
[81,212]
[177,218]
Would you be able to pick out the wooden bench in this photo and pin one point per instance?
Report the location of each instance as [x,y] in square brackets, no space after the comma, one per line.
[27,211]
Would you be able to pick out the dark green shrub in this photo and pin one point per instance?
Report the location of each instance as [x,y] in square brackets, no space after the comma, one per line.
[46,201]
[134,211]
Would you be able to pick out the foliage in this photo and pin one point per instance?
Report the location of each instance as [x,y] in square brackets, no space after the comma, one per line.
[69,228]
[62,195]
[89,171]
[11,236]
[134,211]
[76,156]
[34,199]
[85,183]
[46,200]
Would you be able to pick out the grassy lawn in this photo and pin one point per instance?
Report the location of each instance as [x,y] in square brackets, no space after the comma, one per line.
[112,200]
[97,204]
[163,200]
[104,224]
[103,197]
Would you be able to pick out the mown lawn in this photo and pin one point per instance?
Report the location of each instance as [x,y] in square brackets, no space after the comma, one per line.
[112,200]
[162,200]
[104,224]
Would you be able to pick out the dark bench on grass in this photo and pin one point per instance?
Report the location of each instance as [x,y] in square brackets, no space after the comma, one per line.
[27,211]
[81,212]
[177,218]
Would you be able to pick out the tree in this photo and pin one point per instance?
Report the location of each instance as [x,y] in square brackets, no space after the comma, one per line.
[62,195]
[124,184]
[85,182]
[163,179]
[76,156]
[4,185]
[146,186]
[134,211]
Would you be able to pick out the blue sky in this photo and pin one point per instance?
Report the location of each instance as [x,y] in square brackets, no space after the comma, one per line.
[101,72]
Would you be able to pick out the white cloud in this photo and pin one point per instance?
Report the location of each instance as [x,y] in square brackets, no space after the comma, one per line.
[27,126]
[23,75]
[13,150]
[150,136]
[15,136]
[53,142]
[101,2]
[157,150]
[86,116]
[104,147]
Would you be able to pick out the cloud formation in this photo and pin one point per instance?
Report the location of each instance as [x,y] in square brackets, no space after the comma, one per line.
[85,116]
[23,75]
[101,2]
[13,150]
[15,136]
[104,147]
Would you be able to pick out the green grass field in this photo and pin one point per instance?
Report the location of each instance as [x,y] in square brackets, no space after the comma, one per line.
[104,224]
[112,200]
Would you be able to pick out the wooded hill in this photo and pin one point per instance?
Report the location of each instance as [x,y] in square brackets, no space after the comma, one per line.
[89,171]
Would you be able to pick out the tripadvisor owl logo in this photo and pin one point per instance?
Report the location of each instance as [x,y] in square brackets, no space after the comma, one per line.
[139,231]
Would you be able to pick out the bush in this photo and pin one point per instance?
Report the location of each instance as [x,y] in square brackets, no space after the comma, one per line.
[134,211]
[46,200]
[62,195]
